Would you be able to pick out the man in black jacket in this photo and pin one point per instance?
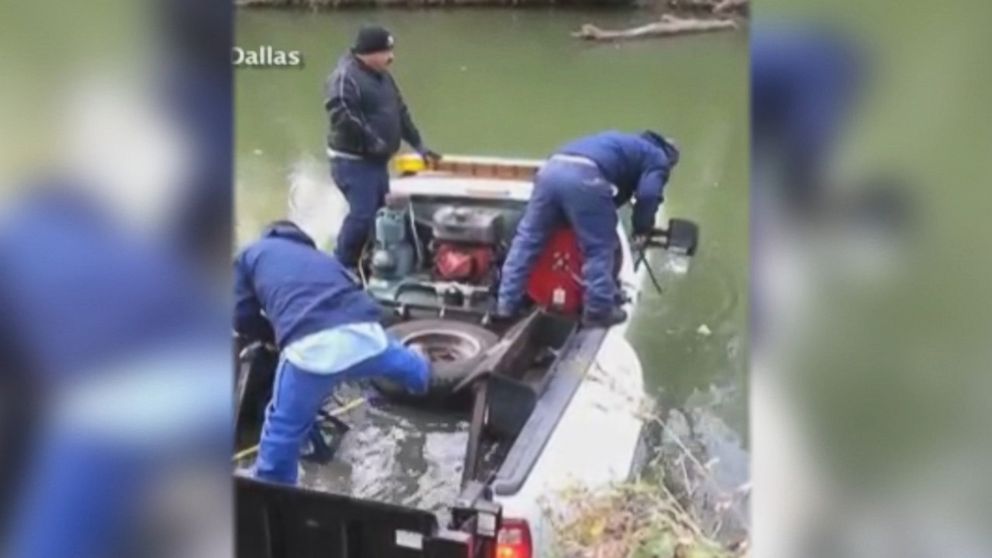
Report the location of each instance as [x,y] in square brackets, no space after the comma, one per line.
[368,119]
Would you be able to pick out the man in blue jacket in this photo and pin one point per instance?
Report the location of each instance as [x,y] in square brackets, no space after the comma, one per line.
[115,354]
[368,118]
[583,184]
[327,330]
[804,80]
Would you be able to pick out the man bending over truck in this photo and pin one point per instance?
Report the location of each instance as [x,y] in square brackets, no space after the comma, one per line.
[327,330]
[583,184]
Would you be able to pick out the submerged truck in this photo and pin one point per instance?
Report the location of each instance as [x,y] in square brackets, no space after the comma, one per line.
[548,404]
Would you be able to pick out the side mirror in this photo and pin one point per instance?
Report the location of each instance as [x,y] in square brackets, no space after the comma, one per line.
[680,237]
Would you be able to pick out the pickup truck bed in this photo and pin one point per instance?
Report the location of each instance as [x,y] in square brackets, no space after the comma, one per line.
[283,522]
[531,381]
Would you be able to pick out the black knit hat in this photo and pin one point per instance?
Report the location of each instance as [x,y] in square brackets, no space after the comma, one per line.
[668,146]
[372,38]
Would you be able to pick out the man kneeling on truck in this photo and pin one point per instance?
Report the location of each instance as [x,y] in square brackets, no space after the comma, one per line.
[582,185]
[327,330]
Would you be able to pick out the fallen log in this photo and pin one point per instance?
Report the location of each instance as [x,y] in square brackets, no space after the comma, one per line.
[710,6]
[668,26]
[727,6]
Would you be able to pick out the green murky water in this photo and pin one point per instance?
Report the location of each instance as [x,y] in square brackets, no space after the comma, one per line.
[514,83]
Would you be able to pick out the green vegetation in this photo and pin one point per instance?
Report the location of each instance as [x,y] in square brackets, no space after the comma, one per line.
[675,509]
[633,520]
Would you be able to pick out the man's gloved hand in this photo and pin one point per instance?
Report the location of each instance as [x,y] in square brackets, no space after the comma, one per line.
[642,216]
[638,242]
[431,158]
[501,314]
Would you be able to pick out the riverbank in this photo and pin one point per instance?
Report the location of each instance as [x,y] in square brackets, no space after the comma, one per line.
[679,505]
[344,4]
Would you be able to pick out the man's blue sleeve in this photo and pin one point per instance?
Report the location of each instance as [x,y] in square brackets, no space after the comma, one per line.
[648,195]
[248,319]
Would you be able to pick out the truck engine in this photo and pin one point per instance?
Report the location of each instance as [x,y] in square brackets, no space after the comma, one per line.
[445,255]
[466,241]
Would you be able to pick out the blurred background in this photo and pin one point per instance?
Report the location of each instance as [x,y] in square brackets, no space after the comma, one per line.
[870,392]
[115,173]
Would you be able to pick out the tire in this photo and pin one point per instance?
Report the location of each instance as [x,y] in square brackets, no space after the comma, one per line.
[467,346]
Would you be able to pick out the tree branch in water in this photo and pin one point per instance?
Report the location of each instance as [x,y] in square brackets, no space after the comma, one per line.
[668,26]
[726,6]
[711,6]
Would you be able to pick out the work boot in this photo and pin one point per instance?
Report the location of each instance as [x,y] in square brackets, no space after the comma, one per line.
[420,351]
[613,317]
[503,315]
[425,382]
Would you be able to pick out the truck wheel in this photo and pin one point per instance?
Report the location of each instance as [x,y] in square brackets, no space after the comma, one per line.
[455,349]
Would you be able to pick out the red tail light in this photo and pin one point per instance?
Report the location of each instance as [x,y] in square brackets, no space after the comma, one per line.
[513,540]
